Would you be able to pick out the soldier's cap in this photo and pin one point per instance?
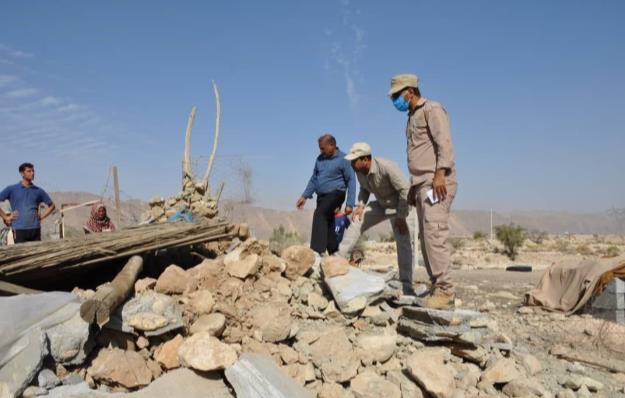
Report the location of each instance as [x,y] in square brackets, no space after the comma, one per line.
[358,150]
[400,82]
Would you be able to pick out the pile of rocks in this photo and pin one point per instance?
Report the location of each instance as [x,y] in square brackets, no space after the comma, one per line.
[192,198]
[250,323]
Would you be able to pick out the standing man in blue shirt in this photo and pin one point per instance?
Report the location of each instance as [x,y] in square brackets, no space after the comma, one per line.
[25,198]
[332,178]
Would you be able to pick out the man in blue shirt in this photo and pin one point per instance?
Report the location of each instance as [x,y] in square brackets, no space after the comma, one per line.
[25,198]
[332,178]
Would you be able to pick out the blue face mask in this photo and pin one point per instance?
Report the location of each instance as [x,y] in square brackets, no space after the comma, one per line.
[401,104]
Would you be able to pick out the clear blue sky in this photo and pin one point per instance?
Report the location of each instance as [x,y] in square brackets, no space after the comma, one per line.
[534,89]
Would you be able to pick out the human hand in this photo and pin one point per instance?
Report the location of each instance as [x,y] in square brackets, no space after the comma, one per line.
[438,185]
[348,210]
[300,202]
[402,226]
[357,213]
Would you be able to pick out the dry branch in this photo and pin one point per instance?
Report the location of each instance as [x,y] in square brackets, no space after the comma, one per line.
[211,159]
[186,158]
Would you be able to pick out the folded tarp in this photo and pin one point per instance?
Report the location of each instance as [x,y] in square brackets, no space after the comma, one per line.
[567,287]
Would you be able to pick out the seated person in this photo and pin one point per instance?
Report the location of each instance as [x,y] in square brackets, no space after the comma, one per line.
[98,221]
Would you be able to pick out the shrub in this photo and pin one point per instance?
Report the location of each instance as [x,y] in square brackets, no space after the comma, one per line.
[612,251]
[479,235]
[512,237]
[584,250]
[456,242]
[281,239]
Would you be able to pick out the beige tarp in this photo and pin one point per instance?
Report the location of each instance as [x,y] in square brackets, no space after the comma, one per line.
[568,286]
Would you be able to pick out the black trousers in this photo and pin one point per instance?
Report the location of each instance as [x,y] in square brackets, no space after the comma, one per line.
[27,235]
[323,236]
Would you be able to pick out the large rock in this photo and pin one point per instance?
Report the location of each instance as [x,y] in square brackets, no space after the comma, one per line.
[167,353]
[503,370]
[354,290]
[257,376]
[201,302]
[18,372]
[145,312]
[70,341]
[213,324]
[244,267]
[118,367]
[334,355]
[407,386]
[432,374]
[273,320]
[378,347]
[47,379]
[334,266]
[174,280]
[370,385]
[205,352]
[299,259]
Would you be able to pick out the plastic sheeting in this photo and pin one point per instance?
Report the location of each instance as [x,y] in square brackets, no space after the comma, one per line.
[24,312]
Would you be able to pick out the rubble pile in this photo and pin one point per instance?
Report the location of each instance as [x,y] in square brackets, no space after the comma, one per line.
[192,199]
[250,323]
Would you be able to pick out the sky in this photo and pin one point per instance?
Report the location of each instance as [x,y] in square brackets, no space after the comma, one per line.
[534,91]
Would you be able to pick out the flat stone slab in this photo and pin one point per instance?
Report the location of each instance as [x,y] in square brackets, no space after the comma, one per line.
[257,376]
[147,307]
[355,286]
[179,383]
[459,326]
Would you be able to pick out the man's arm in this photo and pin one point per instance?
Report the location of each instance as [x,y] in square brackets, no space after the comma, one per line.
[44,198]
[350,180]
[439,129]
[401,186]
[438,123]
[311,187]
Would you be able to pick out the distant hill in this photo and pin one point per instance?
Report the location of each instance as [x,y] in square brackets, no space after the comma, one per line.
[263,220]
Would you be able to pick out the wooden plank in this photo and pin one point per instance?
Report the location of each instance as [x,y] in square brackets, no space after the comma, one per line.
[11,289]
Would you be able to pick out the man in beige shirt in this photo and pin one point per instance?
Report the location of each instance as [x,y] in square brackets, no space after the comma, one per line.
[433,181]
[384,179]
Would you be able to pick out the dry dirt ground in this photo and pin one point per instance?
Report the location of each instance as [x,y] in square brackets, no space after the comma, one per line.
[486,286]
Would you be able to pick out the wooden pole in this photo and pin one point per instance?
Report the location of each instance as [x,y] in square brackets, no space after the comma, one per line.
[117,201]
[186,157]
[108,296]
[209,167]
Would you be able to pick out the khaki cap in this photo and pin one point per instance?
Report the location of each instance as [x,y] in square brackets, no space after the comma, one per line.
[358,150]
[400,82]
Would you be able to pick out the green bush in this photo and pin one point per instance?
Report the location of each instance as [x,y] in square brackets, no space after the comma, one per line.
[479,235]
[512,237]
[612,251]
[456,242]
[584,250]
